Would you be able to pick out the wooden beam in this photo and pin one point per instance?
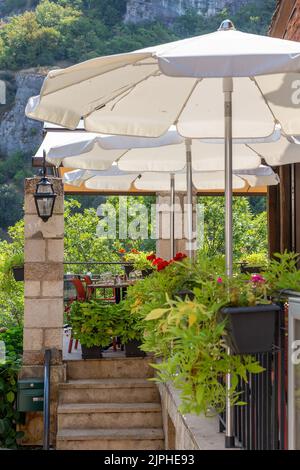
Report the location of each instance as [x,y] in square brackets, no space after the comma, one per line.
[281,18]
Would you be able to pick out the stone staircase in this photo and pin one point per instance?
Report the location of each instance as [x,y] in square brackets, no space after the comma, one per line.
[109,404]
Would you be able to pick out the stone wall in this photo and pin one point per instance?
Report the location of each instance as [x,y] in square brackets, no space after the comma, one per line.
[187,432]
[17,132]
[168,10]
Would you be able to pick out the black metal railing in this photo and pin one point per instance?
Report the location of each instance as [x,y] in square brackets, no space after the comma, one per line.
[261,424]
[47,366]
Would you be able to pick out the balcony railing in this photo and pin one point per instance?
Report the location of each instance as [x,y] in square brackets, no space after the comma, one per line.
[261,424]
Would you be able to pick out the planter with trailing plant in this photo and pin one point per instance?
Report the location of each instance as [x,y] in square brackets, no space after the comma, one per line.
[251,330]
[93,325]
[15,266]
[140,261]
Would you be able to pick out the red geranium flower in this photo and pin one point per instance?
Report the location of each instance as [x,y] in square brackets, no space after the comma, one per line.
[179,257]
[121,250]
[157,261]
[151,257]
[135,251]
[162,265]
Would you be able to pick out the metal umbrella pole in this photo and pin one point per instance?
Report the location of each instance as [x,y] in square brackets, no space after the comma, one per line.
[228,90]
[172,216]
[189,184]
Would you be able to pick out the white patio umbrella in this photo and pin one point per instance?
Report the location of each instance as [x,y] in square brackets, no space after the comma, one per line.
[144,92]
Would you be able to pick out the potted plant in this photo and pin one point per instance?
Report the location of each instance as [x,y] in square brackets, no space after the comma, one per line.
[15,266]
[130,328]
[188,339]
[93,325]
[141,261]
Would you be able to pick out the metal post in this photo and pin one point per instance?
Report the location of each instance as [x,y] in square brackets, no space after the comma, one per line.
[172,217]
[47,365]
[189,187]
[228,89]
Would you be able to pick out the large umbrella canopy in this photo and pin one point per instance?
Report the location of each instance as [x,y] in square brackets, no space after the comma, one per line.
[145,92]
[168,153]
[115,179]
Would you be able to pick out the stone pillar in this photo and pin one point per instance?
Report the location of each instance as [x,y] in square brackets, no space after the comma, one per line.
[163,224]
[44,307]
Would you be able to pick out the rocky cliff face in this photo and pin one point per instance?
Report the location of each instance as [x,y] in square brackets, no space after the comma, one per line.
[17,133]
[168,10]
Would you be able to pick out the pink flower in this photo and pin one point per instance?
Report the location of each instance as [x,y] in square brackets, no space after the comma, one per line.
[257,278]
[219,280]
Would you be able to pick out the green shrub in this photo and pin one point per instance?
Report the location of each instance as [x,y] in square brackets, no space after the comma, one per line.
[9,417]
[93,323]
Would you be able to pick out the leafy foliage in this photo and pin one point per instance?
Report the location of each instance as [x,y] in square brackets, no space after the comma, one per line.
[188,336]
[11,292]
[60,30]
[197,362]
[81,241]
[249,230]
[93,323]
[283,273]
[9,417]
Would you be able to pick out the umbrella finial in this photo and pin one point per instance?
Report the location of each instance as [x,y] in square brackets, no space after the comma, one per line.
[226,25]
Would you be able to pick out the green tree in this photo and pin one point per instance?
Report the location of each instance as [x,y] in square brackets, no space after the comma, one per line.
[249,230]
[11,292]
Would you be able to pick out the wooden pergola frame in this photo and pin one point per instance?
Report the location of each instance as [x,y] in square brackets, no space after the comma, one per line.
[283,200]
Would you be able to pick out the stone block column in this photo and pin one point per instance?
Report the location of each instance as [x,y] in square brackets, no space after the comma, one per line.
[44,306]
[163,242]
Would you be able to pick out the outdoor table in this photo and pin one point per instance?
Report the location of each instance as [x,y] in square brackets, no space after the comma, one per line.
[120,288]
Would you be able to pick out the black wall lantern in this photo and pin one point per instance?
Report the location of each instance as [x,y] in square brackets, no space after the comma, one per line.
[44,196]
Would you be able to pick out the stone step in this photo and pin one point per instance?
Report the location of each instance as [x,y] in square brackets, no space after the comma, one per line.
[111,439]
[109,391]
[109,415]
[137,367]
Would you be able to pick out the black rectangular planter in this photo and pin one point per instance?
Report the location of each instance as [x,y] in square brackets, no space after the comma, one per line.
[95,352]
[18,273]
[132,349]
[251,329]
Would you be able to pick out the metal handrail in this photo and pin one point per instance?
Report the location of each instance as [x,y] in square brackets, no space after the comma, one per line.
[47,366]
[104,263]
